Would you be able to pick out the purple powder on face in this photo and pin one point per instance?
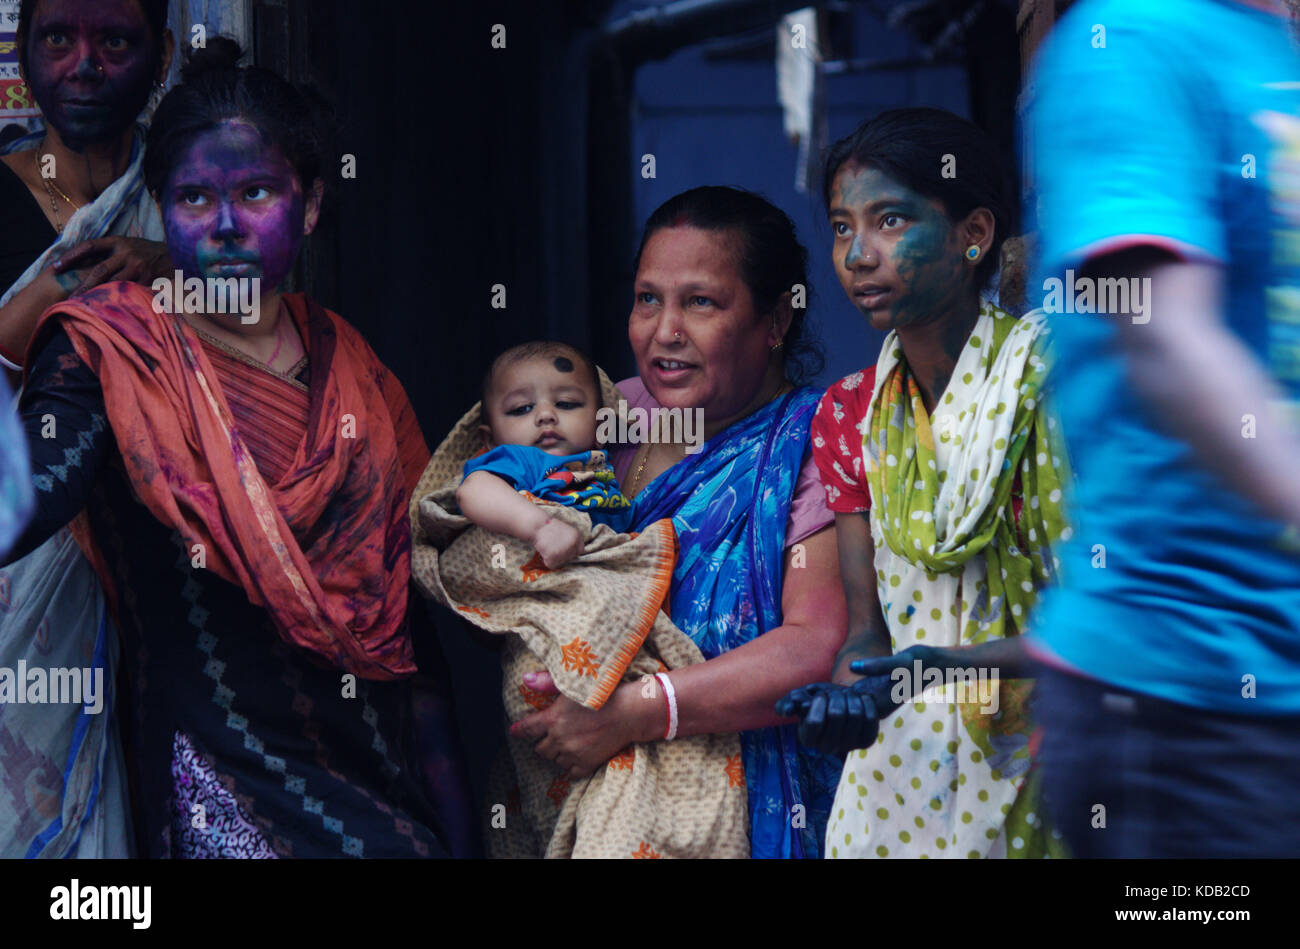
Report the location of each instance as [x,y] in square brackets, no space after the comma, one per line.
[90,65]
[234,207]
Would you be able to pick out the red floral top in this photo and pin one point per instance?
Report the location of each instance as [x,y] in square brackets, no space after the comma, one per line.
[837,430]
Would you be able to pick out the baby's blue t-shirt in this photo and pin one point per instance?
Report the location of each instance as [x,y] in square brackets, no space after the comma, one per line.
[554,478]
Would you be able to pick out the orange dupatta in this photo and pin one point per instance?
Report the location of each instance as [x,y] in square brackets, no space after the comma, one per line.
[344,595]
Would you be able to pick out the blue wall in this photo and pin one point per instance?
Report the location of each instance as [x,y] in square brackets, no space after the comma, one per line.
[720,123]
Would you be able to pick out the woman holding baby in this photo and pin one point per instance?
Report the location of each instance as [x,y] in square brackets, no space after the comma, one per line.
[714,327]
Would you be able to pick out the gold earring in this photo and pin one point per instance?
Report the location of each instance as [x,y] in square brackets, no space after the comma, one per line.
[972,252]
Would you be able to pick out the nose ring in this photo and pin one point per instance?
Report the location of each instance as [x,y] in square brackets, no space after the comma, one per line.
[677,336]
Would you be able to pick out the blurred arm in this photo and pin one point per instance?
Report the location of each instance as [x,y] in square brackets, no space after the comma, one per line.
[1200,380]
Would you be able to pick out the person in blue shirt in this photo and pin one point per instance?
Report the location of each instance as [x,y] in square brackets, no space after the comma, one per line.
[540,403]
[1165,142]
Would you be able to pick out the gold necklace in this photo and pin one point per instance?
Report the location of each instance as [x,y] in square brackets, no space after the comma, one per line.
[645,458]
[51,183]
[50,188]
[636,478]
[54,205]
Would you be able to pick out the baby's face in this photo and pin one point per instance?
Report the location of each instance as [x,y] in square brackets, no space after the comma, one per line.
[548,402]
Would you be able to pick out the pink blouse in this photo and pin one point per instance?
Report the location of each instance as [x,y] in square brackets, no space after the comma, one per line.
[808,510]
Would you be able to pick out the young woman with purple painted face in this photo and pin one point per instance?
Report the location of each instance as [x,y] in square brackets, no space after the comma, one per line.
[270,664]
[234,206]
[90,65]
[944,471]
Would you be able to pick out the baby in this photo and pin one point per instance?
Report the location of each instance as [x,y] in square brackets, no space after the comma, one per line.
[597,628]
[539,405]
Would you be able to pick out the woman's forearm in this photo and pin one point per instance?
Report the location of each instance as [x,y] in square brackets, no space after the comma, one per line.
[738,690]
[18,317]
[66,457]
[867,643]
[1006,658]
[868,634]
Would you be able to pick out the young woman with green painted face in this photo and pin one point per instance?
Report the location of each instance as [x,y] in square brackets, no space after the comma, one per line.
[944,472]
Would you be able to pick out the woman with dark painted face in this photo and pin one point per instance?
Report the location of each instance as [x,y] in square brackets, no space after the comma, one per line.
[945,471]
[74,212]
[245,477]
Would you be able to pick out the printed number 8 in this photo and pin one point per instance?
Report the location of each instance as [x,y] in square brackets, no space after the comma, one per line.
[17,96]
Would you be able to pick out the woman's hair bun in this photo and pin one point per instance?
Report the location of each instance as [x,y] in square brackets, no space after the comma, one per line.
[215,90]
[221,52]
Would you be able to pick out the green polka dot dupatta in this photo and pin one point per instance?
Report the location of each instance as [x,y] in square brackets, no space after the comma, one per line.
[947,776]
[941,502]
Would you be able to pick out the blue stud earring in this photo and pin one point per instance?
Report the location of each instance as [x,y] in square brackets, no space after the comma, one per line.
[972,252]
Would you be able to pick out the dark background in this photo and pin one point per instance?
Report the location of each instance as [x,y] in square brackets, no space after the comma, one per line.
[521,166]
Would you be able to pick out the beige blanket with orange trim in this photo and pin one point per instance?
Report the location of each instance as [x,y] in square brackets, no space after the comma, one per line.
[593,624]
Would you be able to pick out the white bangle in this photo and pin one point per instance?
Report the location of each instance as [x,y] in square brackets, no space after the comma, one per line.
[12,366]
[670,697]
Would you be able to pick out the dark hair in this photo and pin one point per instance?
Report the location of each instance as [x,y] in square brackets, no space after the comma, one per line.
[531,350]
[214,89]
[771,259]
[912,147]
[155,14]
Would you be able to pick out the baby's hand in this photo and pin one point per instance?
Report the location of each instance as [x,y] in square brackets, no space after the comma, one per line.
[558,543]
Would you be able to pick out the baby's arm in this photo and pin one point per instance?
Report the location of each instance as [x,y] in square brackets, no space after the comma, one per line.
[491,503]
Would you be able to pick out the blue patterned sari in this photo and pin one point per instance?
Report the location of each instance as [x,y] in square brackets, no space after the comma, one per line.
[730,504]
